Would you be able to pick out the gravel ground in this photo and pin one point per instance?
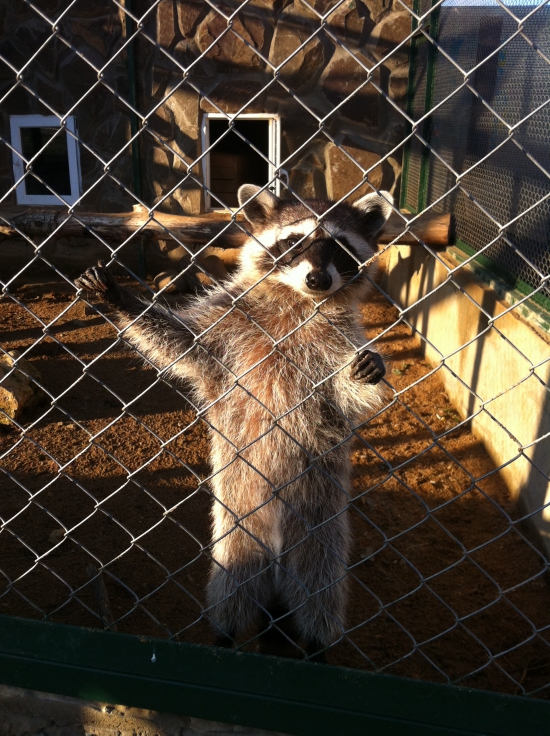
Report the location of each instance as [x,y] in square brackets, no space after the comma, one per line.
[431,507]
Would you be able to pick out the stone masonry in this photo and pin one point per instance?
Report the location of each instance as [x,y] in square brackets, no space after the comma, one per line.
[232,75]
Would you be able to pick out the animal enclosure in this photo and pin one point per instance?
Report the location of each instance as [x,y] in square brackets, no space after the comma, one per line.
[127,130]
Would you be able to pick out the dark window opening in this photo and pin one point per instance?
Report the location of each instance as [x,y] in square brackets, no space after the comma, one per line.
[52,166]
[232,160]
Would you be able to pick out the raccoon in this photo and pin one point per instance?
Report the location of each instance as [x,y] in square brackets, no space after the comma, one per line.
[275,362]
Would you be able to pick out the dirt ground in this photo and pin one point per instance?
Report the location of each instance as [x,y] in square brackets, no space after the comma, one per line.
[444,587]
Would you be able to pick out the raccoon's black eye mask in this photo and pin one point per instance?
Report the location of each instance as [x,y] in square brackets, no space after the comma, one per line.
[321,252]
[296,243]
[290,248]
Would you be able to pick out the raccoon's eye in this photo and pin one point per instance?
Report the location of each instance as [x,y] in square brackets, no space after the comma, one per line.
[295,244]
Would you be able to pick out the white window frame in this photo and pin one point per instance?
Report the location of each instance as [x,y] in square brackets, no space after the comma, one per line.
[274,149]
[44,121]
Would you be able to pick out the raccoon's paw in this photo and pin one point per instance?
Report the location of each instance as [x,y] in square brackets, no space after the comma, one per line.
[368,367]
[99,281]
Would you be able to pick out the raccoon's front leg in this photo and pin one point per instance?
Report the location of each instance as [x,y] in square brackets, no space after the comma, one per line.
[368,367]
[100,282]
[154,331]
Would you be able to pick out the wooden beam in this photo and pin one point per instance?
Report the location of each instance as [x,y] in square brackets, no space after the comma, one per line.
[189,230]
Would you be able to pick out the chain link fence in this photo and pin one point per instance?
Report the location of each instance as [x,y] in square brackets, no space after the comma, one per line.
[128,129]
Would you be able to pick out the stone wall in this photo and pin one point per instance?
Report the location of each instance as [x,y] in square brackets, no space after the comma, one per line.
[229,76]
[57,80]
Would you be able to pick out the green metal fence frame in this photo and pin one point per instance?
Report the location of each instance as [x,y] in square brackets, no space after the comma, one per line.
[250,689]
[432,28]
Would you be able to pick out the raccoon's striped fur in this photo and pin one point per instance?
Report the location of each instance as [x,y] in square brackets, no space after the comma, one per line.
[272,356]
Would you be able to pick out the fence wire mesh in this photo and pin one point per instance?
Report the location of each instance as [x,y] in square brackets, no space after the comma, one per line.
[106,483]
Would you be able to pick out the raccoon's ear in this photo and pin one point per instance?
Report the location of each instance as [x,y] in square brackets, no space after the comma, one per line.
[375,210]
[258,204]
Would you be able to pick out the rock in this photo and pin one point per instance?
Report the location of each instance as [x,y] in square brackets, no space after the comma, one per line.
[183,103]
[86,28]
[387,35]
[313,8]
[269,5]
[307,178]
[158,157]
[56,536]
[229,48]
[397,169]
[299,123]
[166,280]
[158,169]
[347,24]
[189,13]
[342,77]
[214,267]
[399,81]
[377,7]
[203,70]
[173,281]
[166,23]
[232,95]
[343,175]
[172,250]
[189,196]
[18,391]
[161,123]
[301,71]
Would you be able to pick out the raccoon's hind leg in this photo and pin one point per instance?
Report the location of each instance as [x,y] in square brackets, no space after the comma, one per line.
[315,584]
[241,584]
[278,632]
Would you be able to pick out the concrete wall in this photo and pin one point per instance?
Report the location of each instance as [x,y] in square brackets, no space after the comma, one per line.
[29,712]
[491,377]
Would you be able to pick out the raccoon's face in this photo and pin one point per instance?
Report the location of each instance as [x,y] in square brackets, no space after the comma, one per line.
[314,256]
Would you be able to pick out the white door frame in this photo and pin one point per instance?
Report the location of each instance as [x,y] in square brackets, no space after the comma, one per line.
[274,149]
[44,121]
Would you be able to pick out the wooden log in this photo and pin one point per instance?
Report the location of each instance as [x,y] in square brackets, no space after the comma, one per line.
[191,230]
[430,229]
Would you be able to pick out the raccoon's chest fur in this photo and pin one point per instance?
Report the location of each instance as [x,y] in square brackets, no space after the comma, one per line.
[279,393]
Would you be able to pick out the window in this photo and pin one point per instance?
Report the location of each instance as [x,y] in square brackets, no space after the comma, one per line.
[233,161]
[57,164]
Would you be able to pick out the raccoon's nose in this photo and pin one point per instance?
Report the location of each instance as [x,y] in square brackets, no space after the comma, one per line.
[318,280]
